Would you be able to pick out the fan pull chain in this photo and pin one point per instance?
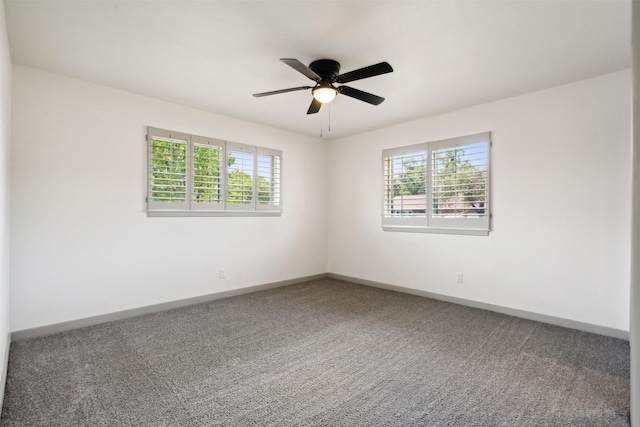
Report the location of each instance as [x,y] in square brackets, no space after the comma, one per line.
[328,121]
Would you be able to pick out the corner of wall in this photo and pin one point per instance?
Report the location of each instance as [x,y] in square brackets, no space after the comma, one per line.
[635,223]
[5,364]
[5,137]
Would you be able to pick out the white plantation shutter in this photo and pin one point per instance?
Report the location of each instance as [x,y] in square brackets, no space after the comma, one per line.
[268,173]
[405,185]
[459,176]
[207,178]
[459,182]
[190,175]
[241,182]
[439,186]
[168,159]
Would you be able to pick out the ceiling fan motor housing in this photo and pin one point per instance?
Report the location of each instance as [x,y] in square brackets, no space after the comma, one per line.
[328,69]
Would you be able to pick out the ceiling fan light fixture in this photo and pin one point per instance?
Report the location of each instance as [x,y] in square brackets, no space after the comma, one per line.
[324,93]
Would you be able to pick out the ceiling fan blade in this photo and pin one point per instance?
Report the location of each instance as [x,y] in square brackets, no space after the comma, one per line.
[314,107]
[301,68]
[361,95]
[363,73]
[275,92]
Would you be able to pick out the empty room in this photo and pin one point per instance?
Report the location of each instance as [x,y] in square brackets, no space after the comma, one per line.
[319,213]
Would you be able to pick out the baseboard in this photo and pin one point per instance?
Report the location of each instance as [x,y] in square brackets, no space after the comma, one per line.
[119,315]
[544,318]
[5,368]
[124,314]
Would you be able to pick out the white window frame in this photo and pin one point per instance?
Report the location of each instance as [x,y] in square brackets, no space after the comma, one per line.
[221,208]
[429,223]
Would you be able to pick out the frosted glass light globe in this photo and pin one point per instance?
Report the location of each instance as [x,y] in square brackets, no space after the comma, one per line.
[324,93]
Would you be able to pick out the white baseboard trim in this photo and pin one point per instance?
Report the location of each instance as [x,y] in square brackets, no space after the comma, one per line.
[133,312]
[544,318]
[119,315]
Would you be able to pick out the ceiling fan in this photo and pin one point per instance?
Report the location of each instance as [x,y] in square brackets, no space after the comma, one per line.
[325,72]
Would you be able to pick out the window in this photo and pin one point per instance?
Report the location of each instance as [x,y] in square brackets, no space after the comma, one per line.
[439,186]
[192,175]
[240,176]
[268,179]
[168,171]
[208,161]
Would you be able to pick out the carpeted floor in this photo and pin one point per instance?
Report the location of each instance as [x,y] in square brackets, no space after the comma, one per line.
[323,353]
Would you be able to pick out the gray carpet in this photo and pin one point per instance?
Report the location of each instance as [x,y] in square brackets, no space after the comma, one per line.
[323,353]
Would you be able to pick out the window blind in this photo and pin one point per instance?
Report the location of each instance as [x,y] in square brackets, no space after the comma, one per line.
[405,185]
[168,171]
[438,186]
[459,181]
[240,175]
[191,175]
[207,178]
[268,179]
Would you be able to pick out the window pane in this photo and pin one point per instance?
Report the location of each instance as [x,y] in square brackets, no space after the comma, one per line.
[168,171]
[206,174]
[268,179]
[459,179]
[240,177]
[405,185]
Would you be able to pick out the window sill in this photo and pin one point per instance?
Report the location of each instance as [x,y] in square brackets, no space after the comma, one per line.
[435,230]
[168,213]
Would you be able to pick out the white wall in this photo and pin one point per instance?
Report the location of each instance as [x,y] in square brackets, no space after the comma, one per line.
[82,244]
[5,136]
[559,245]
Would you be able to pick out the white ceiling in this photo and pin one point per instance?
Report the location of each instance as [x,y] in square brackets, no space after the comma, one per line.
[214,55]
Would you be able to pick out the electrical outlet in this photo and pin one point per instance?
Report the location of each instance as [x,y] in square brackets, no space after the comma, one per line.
[459,278]
[223,273]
